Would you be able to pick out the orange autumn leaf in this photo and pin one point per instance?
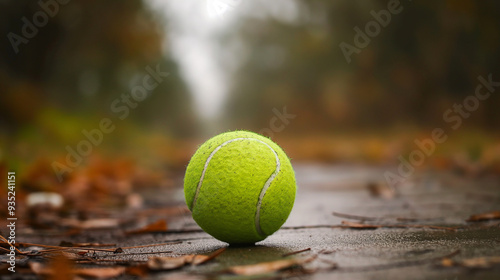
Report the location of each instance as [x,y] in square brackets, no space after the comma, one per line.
[66,272]
[267,267]
[493,215]
[160,225]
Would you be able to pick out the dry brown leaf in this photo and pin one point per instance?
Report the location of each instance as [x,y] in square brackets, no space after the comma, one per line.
[198,259]
[135,201]
[359,225]
[381,190]
[91,224]
[99,223]
[100,272]
[296,252]
[138,270]
[175,210]
[160,225]
[493,215]
[56,255]
[168,263]
[482,262]
[267,267]
[475,263]
[201,259]
[447,262]
[39,269]
[55,270]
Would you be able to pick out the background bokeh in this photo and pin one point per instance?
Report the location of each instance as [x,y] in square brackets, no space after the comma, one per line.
[241,65]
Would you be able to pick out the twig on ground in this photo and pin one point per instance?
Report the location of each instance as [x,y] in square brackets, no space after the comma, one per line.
[296,252]
[364,218]
[152,245]
[374,226]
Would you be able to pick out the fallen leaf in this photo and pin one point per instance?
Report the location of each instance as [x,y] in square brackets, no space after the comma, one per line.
[73,232]
[100,272]
[57,255]
[140,270]
[447,262]
[91,224]
[381,190]
[135,201]
[296,252]
[39,268]
[484,216]
[99,223]
[323,265]
[359,225]
[482,262]
[158,226]
[175,210]
[201,259]
[168,263]
[267,267]
[198,259]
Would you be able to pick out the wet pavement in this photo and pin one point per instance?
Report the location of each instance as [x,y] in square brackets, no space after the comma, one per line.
[428,198]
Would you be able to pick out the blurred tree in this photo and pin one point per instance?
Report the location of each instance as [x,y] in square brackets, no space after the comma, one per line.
[426,59]
[84,56]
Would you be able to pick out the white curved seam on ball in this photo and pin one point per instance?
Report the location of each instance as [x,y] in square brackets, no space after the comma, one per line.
[264,189]
[206,166]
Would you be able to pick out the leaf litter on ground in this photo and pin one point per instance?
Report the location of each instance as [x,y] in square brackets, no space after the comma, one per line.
[473,263]
[97,272]
[169,263]
[158,226]
[493,215]
[61,261]
[269,267]
[382,222]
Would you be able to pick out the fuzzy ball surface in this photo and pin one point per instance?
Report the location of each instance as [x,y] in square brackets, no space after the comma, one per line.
[240,187]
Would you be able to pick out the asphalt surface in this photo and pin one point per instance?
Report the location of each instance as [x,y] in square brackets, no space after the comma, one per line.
[430,198]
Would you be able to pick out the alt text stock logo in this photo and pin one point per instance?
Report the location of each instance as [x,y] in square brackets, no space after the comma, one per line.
[363,37]
[454,118]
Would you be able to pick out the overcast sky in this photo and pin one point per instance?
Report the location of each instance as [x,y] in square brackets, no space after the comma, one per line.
[193,29]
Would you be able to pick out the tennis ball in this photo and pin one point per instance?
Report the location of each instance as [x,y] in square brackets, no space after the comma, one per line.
[240,187]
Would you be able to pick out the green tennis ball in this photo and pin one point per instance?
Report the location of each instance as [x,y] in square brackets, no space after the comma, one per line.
[240,187]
